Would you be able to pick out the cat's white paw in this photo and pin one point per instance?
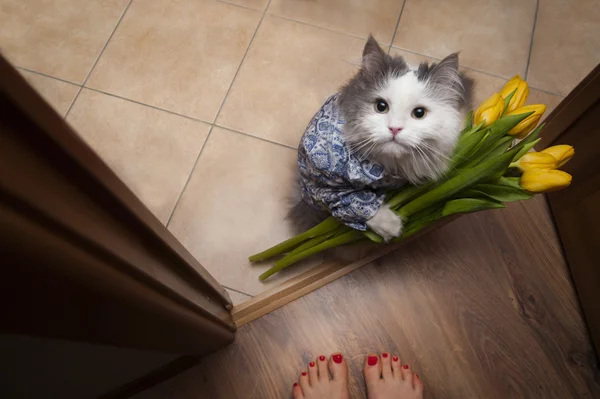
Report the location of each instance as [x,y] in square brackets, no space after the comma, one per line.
[386,223]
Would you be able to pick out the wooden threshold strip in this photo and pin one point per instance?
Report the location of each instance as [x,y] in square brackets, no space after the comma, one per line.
[311,280]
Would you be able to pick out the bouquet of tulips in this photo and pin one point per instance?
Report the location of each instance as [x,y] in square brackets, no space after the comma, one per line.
[489,167]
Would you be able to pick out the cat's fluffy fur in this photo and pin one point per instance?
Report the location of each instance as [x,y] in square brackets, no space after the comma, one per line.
[423,147]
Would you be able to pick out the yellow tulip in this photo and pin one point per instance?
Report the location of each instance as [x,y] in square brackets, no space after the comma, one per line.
[521,89]
[489,111]
[562,153]
[527,124]
[536,160]
[543,181]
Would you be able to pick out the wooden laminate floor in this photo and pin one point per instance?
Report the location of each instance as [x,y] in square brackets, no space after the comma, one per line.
[482,308]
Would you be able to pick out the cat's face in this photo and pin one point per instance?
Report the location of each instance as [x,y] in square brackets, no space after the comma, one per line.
[406,119]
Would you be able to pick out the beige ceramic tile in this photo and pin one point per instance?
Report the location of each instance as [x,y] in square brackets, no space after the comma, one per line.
[493,36]
[254,4]
[237,298]
[357,17]
[59,94]
[60,38]
[234,206]
[177,55]
[566,44]
[290,70]
[152,151]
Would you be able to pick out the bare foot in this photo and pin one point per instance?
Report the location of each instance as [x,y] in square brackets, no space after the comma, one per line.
[316,382]
[387,378]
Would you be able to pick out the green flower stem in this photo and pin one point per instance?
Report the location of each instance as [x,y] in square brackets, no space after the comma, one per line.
[326,226]
[408,194]
[463,180]
[346,238]
[312,242]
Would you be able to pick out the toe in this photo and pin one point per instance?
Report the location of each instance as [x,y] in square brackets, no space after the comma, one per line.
[372,370]
[322,368]
[386,366]
[297,391]
[304,382]
[338,367]
[397,367]
[418,385]
[313,373]
[407,373]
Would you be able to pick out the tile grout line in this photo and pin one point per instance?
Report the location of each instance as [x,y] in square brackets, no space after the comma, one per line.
[256,137]
[396,28]
[189,117]
[98,58]
[189,176]
[239,5]
[241,62]
[49,76]
[318,27]
[537,8]
[217,115]
[236,290]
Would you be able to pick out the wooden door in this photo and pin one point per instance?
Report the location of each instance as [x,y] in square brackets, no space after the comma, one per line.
[81,257]
[577,210]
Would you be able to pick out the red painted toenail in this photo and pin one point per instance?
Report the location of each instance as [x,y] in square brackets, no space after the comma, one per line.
[311,364]
[304,373]
[322,358]
[405,366]
[337,358]
[295,384]
[395,358]
[384,355]
[372,360]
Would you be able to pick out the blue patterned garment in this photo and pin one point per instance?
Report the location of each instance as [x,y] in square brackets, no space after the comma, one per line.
[335,180]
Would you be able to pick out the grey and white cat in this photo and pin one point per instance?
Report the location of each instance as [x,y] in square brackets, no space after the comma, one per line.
[389,116]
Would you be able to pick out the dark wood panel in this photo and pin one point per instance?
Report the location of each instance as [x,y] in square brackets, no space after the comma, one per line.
[577,214]
[482,308]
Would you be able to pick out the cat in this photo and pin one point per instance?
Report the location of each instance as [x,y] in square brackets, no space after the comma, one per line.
[389,125]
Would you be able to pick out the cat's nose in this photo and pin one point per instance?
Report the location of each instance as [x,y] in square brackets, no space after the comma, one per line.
[394,130]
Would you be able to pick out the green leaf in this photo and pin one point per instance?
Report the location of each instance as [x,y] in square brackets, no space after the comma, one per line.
[467,147]
[468,205]
[472,193]
[508,182]
[525,149]
[502,193]
[533,135]
[499,129]
[468,123]
[502,145]
[507,100]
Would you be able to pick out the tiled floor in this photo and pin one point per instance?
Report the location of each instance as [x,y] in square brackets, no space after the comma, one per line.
[198,104]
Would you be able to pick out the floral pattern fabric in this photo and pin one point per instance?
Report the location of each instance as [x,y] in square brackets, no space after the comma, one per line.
[333,178]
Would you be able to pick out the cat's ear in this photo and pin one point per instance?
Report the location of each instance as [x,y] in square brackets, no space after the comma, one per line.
[372,55]
[446,76]
[446,72]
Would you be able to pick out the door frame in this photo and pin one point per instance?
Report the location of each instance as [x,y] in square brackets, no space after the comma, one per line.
[83,258]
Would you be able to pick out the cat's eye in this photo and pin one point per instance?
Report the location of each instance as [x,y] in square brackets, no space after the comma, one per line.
[381,106]
[419,113]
